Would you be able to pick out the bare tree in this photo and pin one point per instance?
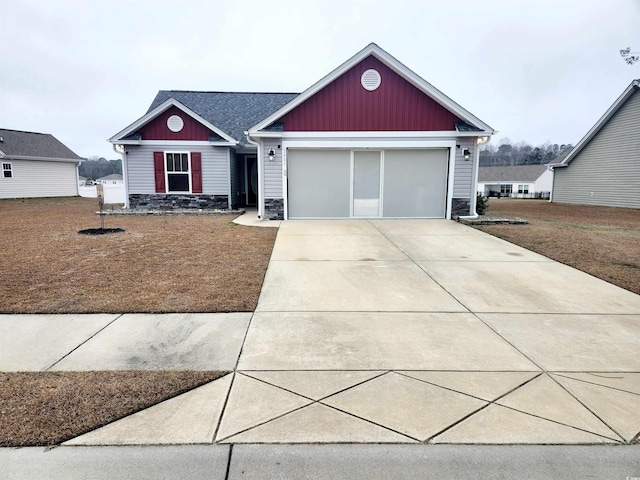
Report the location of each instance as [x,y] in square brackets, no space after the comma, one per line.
[629,56]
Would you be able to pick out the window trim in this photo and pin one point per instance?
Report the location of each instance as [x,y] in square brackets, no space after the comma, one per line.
[523,189]
[10,170]
[187,173]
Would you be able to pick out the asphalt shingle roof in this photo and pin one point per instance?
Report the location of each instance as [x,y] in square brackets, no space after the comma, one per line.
[519,173]
[113,176]
[31,144]
[231,112]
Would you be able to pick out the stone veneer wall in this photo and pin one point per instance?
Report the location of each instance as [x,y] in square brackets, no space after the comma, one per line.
[274,208]
[161,201]
[460,207]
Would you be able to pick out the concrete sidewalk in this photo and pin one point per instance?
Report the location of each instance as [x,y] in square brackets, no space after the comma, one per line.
[323,462]
[390,331]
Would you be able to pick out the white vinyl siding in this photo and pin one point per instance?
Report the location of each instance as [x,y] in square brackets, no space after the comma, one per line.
[607,170]
[463,180]
[32,178]
[140,171]
[272,169]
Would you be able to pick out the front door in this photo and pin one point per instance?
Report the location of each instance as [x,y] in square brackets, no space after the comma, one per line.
[251,180]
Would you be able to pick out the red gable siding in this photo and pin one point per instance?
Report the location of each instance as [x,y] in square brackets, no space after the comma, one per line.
[157,128]
[344,105]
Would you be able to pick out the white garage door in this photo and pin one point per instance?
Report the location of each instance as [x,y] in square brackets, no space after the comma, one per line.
[398,183]
[319,183]
[415,183]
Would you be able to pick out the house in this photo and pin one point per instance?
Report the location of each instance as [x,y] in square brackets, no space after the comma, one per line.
[113,179]
[370,139]
[604,167]
[82,181]
[521,181]
[36,165]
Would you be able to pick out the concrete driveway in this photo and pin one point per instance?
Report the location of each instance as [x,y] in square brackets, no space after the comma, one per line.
[394,331]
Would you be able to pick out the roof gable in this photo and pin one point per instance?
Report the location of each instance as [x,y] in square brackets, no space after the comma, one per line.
[25,145]
[156,119]
[372,50]
[231,112]
[345,105]
[630,91]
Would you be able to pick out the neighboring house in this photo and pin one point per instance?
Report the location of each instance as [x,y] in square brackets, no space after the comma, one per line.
[113,179]
[370,139]
[522,181]
[82,181]
[604,167]
[36,165]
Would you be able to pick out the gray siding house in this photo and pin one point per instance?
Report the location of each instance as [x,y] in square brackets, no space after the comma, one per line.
[604,167]
[36,165]
[370,139]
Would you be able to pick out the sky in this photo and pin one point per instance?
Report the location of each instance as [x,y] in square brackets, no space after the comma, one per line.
[536,71]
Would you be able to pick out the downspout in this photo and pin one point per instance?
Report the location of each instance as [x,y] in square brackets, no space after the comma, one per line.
[476,166]
[260,175]
[123,152]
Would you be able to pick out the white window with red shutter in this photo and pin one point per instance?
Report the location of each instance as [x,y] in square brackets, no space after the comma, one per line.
[178,172]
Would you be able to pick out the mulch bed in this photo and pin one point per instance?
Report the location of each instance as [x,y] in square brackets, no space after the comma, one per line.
[601,241]
[176,263]
[48,408]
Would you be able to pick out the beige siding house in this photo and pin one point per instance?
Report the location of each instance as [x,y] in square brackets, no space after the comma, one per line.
[36,165]
[604,167]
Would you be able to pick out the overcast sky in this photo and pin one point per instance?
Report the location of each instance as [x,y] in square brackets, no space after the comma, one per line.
[536,71]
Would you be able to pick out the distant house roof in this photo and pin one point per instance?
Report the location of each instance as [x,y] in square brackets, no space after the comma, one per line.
[232,112]
[35,146]
[633,87]
[520,173]
[113,176]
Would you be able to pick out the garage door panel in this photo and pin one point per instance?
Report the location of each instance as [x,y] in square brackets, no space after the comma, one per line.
[319,183]
[415,183]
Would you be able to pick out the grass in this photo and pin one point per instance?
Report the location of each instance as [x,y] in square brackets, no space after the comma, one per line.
[48,408]
[602,241]
[158,264]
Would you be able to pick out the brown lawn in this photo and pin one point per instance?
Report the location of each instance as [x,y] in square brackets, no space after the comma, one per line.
[159,264]
[602,241]
[48,408]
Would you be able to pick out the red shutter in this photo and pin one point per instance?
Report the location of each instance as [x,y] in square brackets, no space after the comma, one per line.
[158,167]
[196,172]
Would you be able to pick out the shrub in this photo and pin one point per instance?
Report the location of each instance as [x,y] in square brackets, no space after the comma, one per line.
[482,204]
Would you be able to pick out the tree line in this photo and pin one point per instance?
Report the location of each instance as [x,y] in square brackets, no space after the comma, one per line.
[520,153]
[98,167]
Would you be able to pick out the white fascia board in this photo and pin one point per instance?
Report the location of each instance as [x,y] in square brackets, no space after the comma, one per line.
[2,155]
[177,143]
[171,102]
[393,64]
[630,90]
[366,143]
[43,159]
[381,134]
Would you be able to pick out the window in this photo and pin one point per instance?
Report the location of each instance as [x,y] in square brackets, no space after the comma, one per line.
[7,171]
[523,188]
[178,173]
[506,189]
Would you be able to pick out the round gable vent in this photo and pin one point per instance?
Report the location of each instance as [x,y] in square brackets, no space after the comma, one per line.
[175,123]
[370,80]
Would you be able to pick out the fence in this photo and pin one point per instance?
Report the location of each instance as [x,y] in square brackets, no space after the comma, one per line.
[111,193]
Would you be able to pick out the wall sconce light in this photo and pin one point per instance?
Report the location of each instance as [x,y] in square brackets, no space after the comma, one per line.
[272,155]
[466,154]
